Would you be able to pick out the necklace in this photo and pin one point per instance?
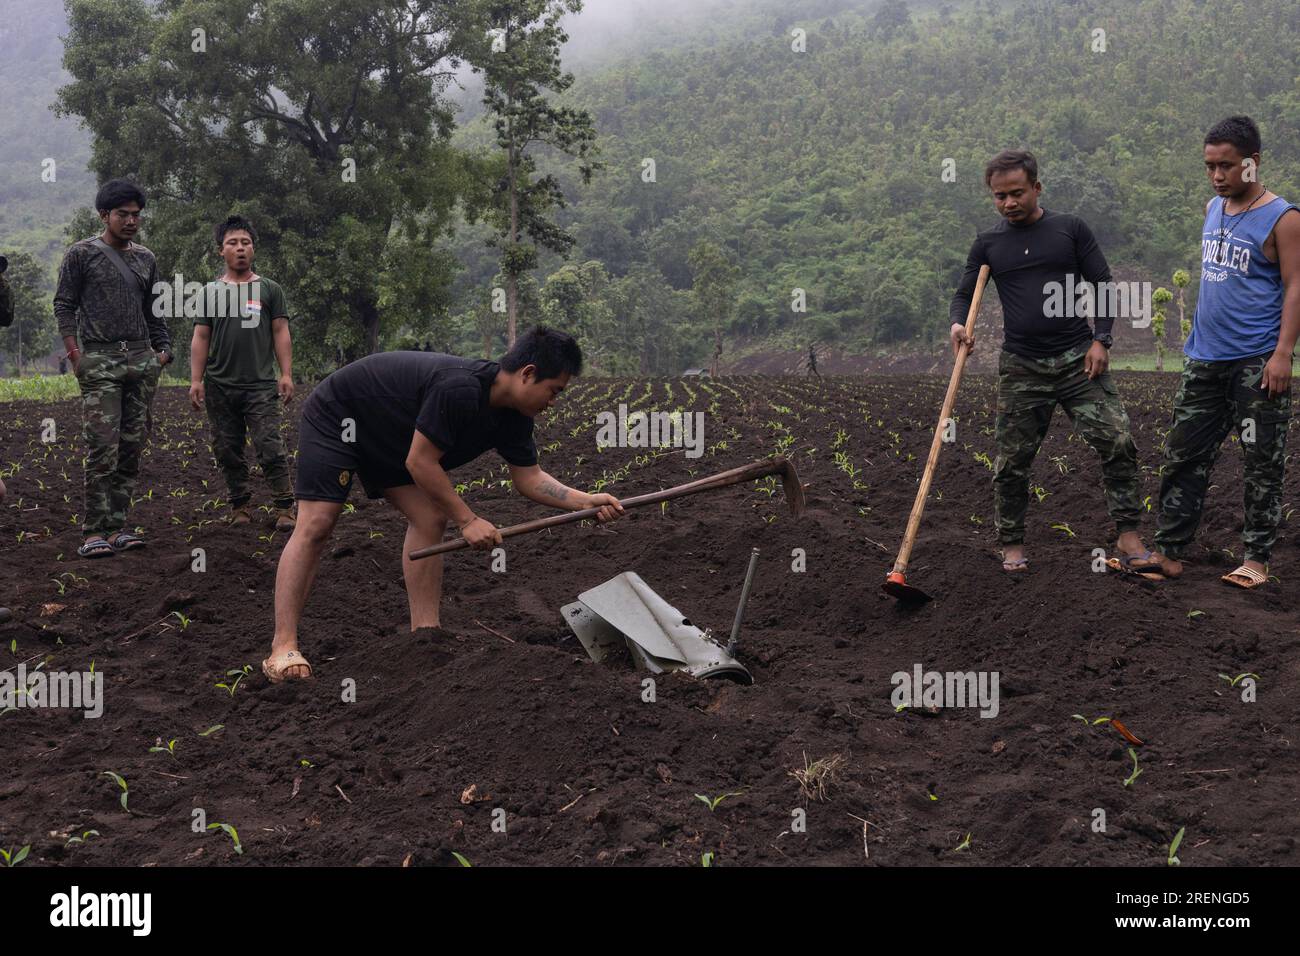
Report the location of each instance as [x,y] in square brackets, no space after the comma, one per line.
[1236,217]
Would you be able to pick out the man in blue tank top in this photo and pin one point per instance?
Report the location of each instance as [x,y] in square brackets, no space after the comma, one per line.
[1237,370]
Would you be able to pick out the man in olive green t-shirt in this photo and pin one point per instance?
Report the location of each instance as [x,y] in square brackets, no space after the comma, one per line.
[240,336]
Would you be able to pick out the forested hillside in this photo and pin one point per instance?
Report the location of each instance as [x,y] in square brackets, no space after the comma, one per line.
[795,146]
[823,170]
[35,197]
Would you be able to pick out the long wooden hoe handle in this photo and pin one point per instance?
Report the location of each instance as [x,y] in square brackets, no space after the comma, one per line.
[722,479]
[914,521]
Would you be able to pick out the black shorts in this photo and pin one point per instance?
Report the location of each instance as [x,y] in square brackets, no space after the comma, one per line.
[326,466]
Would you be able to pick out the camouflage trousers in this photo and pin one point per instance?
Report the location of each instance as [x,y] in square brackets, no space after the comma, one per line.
[117,389]
[238,415]
[1214,399]
[1028,392]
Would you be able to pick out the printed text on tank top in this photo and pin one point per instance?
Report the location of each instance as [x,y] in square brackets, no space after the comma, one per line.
[1269,250]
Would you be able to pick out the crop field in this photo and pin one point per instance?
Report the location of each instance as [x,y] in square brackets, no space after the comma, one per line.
[508,745]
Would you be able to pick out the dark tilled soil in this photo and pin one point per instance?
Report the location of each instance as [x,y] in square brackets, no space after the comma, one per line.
[587,772]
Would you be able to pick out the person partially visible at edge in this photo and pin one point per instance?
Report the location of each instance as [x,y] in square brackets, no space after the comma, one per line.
[400,421]
[1237,364]
[105,298]
[6,296]
[240,336]
[1048,359]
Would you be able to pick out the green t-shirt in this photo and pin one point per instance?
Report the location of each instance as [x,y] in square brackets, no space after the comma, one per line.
[241,352]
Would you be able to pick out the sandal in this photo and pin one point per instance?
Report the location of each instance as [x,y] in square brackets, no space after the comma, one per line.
[126,541]
[1253,578]
[96,547]
[1016,566]
[276,667]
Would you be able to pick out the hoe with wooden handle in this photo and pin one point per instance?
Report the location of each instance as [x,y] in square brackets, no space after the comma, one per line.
[895,582]
[760,469]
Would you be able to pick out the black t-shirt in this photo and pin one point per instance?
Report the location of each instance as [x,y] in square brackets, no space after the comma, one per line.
[391,394]
[1023,260]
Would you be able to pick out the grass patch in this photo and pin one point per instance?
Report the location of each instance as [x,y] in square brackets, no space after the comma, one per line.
[56,388]
[1145,362]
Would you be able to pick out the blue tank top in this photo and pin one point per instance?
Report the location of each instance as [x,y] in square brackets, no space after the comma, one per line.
[1239,308]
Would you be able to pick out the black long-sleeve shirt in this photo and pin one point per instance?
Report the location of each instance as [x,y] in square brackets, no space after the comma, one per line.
[1024,261]
[93,298]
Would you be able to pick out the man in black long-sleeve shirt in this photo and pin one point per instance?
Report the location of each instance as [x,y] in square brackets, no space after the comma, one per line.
[105,296]
[1050,355]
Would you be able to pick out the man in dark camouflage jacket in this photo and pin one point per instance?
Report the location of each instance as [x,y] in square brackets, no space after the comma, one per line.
[105,298]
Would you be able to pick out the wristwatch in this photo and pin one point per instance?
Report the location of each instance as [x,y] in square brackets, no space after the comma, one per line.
[1105,338]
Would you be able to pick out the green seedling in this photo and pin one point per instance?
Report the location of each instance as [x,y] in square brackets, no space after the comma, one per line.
[712,804]
[706,859]
[117,778]
[230,832]
[1172,859]
[185,621]
[85,835]
[963,845]
[1090,723]
[1234,681]
[304,762]
[170,749]
[460,859]
[12,858]
[238,675]
[1137,771]
[375,534]
[1194,614]
[212,730]
[1064,529]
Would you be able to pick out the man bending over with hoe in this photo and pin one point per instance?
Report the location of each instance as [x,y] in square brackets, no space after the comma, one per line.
[1050,356]
[400,421]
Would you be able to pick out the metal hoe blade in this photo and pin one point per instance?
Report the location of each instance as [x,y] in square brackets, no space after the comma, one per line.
[895,586]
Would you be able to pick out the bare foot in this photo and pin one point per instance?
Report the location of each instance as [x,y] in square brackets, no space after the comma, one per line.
[1136,556]
[1013,559]
[1169,567]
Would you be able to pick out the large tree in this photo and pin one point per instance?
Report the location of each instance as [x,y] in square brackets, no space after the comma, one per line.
[520,60]
[323,121]
[715,286]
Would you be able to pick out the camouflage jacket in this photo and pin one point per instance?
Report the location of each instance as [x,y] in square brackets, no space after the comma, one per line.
[93,299]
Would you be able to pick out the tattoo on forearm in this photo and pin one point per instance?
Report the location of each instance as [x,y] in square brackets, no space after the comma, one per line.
[553,489]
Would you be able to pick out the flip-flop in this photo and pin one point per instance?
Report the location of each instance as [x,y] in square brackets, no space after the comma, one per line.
[126,541]
[96,548]
[1016,566]
[1253,578]
[1152,571]
[275,667]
